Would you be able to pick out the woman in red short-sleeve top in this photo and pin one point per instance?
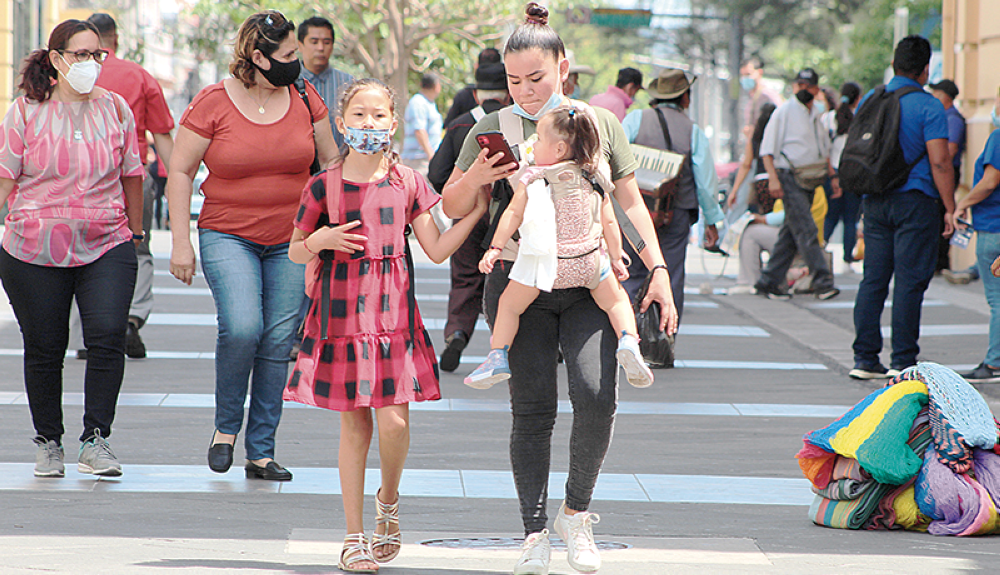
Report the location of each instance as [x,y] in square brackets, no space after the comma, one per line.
[258,139]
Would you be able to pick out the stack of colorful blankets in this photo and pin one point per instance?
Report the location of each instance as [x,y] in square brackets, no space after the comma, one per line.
[921,453]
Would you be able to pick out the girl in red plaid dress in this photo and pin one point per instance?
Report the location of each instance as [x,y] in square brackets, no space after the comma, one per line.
[364,349]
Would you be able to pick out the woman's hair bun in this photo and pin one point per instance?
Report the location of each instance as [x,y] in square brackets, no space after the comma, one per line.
[536,14]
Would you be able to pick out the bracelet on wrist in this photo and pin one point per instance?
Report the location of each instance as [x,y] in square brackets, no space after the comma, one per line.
[659,267]
[492,247]
[138,237]
[306,246]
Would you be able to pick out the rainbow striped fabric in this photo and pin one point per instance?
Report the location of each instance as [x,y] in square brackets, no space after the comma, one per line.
[875,432]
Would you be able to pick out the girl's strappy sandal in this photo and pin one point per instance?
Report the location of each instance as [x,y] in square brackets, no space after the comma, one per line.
[356,551]
[388,515]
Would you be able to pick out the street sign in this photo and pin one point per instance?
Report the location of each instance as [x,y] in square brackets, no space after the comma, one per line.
[609,17]
[620,18]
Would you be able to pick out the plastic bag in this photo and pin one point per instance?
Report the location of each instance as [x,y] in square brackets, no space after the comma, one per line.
[656,346]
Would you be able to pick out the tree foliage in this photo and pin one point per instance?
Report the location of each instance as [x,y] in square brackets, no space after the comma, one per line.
[393,40]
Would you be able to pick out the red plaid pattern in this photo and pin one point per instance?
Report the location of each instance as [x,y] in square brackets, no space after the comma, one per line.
[367,360]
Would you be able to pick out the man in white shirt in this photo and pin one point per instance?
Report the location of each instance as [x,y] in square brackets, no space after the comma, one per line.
[796,149]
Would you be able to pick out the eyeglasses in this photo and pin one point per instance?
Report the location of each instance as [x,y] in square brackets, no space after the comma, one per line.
[99,56]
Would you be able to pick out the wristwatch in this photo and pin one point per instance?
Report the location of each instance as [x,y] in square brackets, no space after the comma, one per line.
[138,237]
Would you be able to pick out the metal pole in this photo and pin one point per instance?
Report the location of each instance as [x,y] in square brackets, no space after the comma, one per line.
[735,59]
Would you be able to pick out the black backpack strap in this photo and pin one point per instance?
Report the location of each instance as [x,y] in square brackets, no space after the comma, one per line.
[411,295]
[627,227]
[663,126]
[905,90]
[502,194]
[325,274]
[300,86]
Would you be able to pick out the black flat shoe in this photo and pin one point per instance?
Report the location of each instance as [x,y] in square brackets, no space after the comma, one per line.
[271,472]
[220,456]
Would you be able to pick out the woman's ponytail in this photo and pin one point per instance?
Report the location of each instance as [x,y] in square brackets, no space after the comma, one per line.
[37,74]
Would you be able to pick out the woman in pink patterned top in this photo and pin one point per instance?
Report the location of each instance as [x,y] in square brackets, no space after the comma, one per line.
[72,178]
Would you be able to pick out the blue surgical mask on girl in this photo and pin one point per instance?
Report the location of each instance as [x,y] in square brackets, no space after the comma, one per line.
[554,101]
[993,116]
[820,108]
[367,142]
[747,83]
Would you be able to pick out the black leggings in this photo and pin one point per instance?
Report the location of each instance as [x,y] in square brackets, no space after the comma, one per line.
[570,320]
[41,297]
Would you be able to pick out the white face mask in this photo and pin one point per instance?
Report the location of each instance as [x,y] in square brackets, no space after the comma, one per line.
[82,75]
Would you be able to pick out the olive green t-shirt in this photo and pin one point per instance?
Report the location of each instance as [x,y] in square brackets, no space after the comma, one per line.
[613,140]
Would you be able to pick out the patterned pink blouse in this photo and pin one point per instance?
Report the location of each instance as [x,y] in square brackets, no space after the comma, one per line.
[68,207]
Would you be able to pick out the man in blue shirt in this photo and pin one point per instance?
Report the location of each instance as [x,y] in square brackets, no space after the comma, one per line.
[316,46]
[671,94]
[946,91]
[423,125]
[984,203]
[902,226]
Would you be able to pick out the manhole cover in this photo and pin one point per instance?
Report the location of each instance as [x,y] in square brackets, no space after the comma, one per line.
[508,543]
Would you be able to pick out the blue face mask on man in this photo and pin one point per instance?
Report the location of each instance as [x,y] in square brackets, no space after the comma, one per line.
[554,101]
[993,116]
[747,83]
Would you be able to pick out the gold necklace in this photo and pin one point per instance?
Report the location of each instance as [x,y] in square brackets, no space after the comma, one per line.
[260,107]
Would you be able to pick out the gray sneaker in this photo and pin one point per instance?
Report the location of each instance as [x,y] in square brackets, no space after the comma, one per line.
[49,458]
[96,458]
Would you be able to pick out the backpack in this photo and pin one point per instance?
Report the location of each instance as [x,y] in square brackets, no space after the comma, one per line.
[873,161]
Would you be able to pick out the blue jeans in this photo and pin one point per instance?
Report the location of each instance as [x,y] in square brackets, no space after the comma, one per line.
[901,239]
[987,250]
[845,208]
[257,292]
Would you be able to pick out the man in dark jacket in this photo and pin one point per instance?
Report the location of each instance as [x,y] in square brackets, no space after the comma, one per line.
[465,300]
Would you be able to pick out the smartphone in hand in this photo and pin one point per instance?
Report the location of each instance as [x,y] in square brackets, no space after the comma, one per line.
[495,143]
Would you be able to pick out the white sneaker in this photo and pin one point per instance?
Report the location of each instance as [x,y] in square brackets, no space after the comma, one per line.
[536,551]
[576,532]
[630,359]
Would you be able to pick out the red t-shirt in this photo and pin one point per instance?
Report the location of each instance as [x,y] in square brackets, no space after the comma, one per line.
[143,94]
[256,172]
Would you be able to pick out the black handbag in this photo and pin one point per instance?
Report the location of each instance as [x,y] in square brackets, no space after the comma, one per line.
[656,346]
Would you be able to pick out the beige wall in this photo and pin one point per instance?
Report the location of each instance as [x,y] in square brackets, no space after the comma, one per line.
[53,12]
[971,48]
[6,48]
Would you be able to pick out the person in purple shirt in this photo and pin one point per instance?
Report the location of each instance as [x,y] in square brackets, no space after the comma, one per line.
[902,226]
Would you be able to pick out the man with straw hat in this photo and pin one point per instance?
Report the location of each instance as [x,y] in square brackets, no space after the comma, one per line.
[666,126]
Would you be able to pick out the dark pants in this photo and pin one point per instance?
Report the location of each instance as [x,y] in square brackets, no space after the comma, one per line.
[41,297]
[901,238]
[944,243]
[465,300]
[570,320]
[673,239]
[844,209]
[798,235]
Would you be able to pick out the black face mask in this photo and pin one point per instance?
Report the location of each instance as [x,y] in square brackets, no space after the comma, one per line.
[281,73]
[804,96]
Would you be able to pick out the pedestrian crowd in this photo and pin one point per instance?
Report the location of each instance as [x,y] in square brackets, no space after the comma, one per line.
[557,233]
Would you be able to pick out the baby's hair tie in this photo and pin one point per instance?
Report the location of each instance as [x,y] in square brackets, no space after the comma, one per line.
[269,21]
[572,112]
